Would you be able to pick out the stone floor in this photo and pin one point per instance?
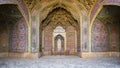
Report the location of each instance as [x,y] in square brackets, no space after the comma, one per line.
[60,62]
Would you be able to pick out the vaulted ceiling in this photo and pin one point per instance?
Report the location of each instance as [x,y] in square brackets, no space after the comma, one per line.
[9,13]
[110,14]
[86,3]
[59,17]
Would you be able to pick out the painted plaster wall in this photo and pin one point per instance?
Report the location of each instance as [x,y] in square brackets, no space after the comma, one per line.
[100,38]
[48,39]
[18,37]
[114,37]
[70,39]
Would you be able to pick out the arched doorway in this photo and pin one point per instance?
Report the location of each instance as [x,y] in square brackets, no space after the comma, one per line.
[62,19]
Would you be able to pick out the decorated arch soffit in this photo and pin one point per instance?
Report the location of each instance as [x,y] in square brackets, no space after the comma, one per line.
[21,6]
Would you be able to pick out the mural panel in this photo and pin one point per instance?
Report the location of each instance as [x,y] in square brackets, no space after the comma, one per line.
[70,35]
[19,37]
[48,38]
[100,39]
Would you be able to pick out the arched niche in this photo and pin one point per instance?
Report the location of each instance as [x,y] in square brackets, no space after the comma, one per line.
[59,34]
[59,44]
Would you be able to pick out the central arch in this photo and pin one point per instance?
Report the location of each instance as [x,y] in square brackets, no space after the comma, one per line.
[63,18]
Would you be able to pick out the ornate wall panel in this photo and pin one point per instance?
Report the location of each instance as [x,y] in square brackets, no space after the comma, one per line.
[71,41]
[3,37]
[48,36]
[19,37]
[100,38]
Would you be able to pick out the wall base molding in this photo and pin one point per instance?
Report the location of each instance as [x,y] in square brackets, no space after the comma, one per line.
[82,55]
[20,55]
[100,54]
[60,53]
